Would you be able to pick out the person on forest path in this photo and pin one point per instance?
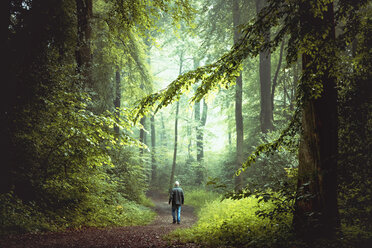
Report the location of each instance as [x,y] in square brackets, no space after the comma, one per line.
[176,198]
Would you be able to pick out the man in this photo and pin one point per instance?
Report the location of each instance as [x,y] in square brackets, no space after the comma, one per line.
[176,197]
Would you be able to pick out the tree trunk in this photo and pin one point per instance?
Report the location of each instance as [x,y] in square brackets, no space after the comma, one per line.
[117,100]
[175,146]
[316,212]
[153,150]
[266,113]
[189,137]
[238,102]
[163,132]
[275,80]
[203,121]
[142,137]
[8,97]
[176,130]
[293,88]
[197,129]
[84,10]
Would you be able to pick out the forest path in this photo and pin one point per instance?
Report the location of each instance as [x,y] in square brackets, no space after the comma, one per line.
[128,237]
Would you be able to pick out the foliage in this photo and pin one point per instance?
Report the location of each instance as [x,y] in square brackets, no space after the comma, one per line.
[17,217]
[66,174]
[234,222]
[111,210]
[65,165]
[198,198]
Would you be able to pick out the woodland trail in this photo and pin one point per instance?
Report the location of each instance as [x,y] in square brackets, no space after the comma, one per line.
[115,237]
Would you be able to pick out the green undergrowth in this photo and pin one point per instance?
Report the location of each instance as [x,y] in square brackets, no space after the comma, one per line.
[199,198]
[234,223]
[20,217]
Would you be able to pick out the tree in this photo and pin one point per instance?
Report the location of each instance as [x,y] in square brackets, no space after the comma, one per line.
[117,101]
[181,60]
[153,150]
[266,114]
[84,13]
[316,211]
[238,100]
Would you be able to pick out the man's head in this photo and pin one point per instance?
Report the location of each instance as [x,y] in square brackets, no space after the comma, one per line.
[176,183]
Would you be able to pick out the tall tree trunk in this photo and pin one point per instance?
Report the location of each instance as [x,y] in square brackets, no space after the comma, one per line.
[266,113]
[316,212]
[189,137]
[275,80]
[117,99]
[203,121]
[294,85]
[7,97]
[84,10]
[176,130]
[197,129]
[163,132]
[142,137]
[175,146]
[238,102]
[153,150]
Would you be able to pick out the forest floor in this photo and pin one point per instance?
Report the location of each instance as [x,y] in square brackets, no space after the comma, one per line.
[128,237]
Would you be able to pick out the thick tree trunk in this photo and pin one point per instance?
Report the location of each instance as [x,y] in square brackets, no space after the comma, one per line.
[153,150]
[84,10]
[117,100]
[316,212]
[238,102]
[266,113]
[7,99]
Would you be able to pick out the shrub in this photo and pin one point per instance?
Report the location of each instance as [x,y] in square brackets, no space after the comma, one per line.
[234,222]
[199,197]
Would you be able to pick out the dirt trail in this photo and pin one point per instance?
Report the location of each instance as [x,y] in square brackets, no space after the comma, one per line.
[128,237]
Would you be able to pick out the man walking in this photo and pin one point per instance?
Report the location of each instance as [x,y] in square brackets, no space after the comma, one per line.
[176,197]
